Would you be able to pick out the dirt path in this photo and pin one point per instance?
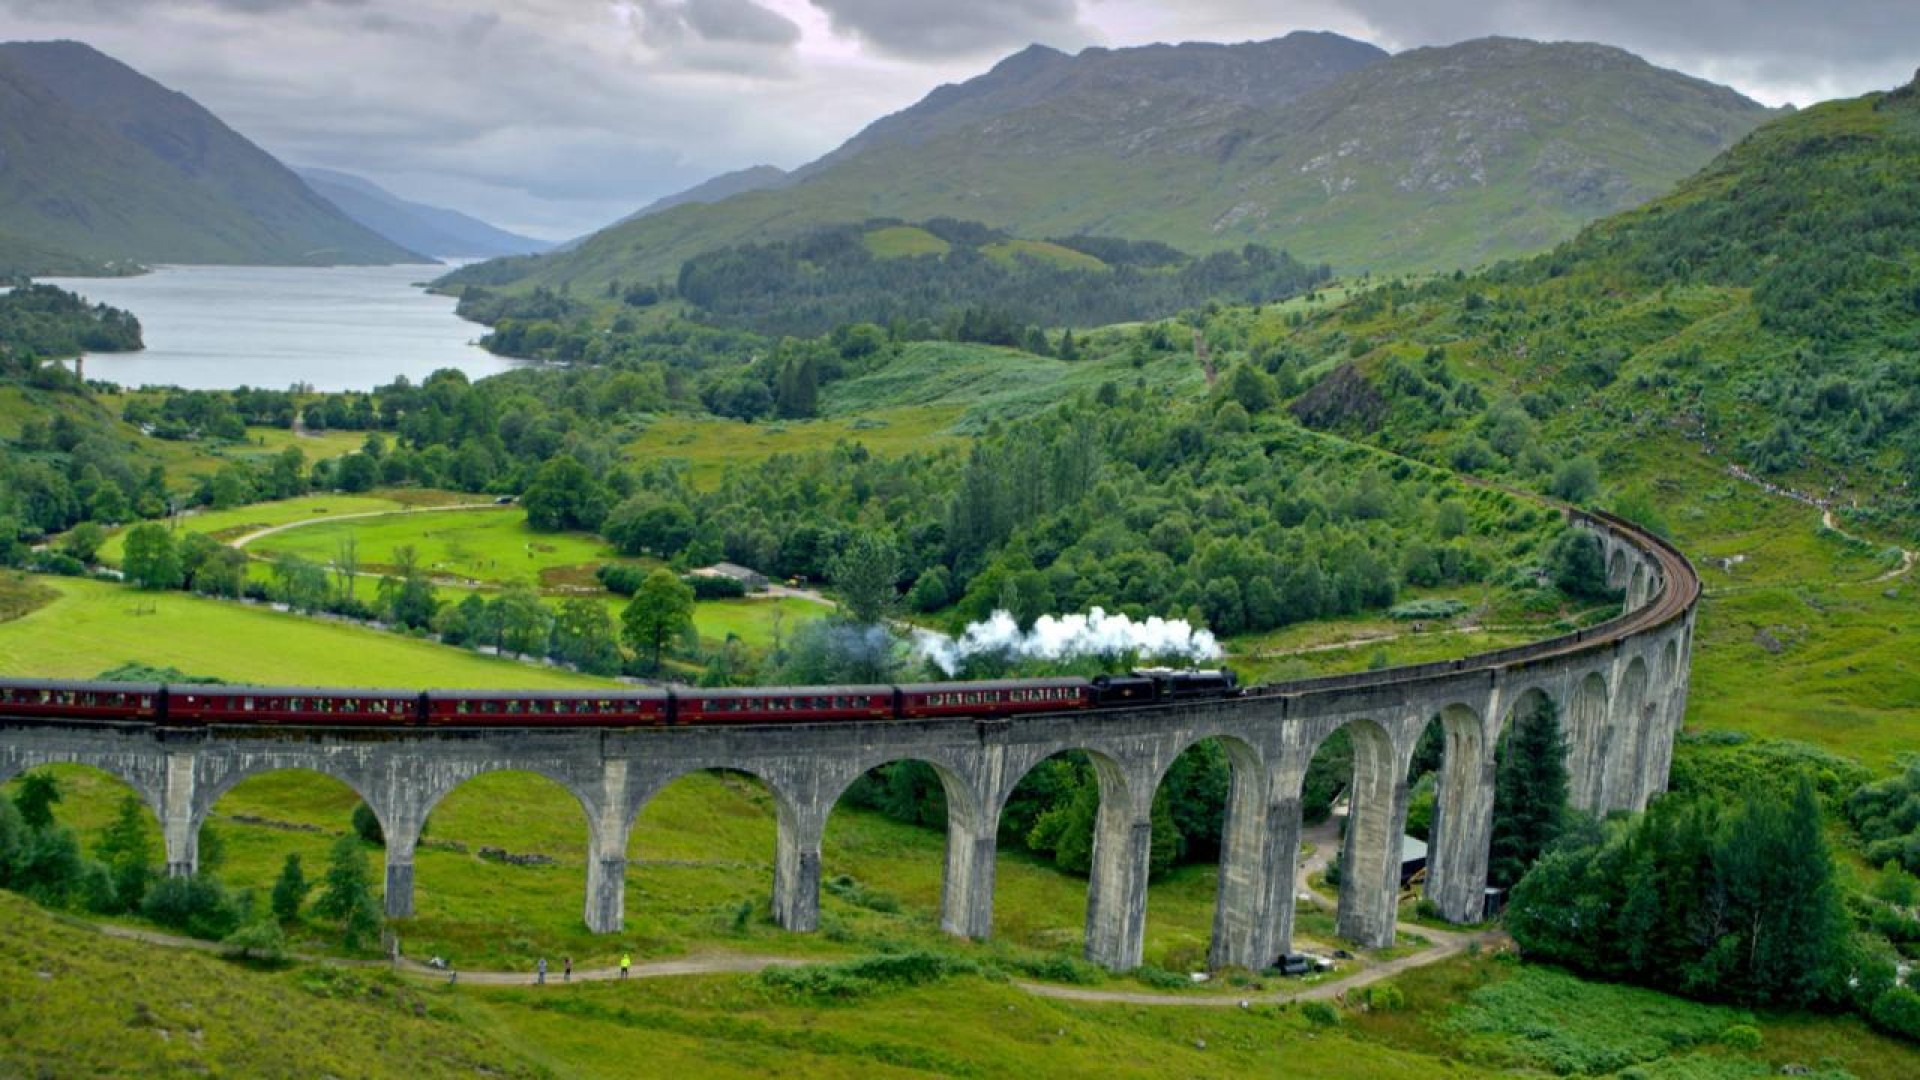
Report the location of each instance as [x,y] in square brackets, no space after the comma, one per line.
[243,541]
[1907,556]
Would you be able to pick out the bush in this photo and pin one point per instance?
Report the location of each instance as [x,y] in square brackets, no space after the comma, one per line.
[199,905]
[1741,1037]
[858,978]
[260,940]
[707,587]
[1897,1012]
[1160,978]
[1320,1013]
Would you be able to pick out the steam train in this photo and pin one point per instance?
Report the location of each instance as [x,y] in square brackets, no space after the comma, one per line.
[198,705]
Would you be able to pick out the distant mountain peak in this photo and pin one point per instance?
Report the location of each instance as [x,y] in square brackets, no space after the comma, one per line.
[433,230]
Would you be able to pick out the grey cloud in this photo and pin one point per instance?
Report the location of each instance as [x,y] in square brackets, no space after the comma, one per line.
[1769,47]
[739,21]
[941,28]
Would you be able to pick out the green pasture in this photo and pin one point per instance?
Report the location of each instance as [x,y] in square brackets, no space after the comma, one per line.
[227,525]
[94,626]
[900,241]
[709,445]
[491,546]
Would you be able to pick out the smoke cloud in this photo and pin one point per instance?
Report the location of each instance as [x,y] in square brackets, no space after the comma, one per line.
[1065,637]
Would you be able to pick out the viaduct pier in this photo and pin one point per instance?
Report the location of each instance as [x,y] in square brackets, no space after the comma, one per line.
[1620,688]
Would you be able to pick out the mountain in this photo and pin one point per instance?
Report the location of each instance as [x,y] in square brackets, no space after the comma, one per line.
[1763,317]
[1327,147]
[724,186]
[99,161]
[429,230]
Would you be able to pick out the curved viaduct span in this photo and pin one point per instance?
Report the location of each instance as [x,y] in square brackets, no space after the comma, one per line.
[1620,686]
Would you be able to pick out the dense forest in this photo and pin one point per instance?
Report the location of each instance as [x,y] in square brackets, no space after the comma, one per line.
[933,273]
[41,321]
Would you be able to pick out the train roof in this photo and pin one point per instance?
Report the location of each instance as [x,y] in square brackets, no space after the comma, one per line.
[987,684]
[222,690]
[725,693]
[92,685]
[641,693]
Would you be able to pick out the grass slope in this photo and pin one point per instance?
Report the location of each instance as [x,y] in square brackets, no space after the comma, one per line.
[75,1003]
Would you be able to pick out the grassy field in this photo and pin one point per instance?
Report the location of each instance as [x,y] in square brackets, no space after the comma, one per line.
[492,547]
[229,524]
[709,446]
[901,241]
[94,626]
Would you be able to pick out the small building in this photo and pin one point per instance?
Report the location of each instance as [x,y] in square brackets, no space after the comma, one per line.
[754,580]
[1413,859]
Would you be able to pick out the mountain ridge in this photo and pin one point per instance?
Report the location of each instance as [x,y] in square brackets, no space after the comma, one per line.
[1472,152]
[101,162]
[416,226]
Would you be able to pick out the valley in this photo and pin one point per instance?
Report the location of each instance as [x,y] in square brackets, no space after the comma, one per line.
[1322,360]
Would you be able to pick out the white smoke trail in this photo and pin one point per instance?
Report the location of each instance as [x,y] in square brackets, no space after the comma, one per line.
[1066,636]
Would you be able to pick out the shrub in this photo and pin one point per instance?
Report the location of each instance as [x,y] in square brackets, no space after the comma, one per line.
[366,825]
[259,940]
[1741,1037]
[199,905]
[1319,1013]
[1160,978]
[1897,1012]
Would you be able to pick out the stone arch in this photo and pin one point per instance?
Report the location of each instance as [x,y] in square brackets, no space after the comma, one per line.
[153,795]
[400,849]
[797,826]
[1462,815]
[117,778]
[1376,821]
[207,795]
[966,889]
[1247,882]
[1617,572]
[1584,727]
[1122,842]
[1627,723]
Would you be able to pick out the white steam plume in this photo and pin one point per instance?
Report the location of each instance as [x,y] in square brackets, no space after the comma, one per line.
[1064,636]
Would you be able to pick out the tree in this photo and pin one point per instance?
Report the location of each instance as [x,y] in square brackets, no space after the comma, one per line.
[564,495]
[346,565]
[865,573]
[299,584]
[149,561]
[1577,480]
[584,636]
[1530,794]
[520,622]
[124,847]
[1577,566]
[83,541]
[660,609]
[289,889]
[366,825]
[650,523]
[407,597]
[38,792]
[346,895]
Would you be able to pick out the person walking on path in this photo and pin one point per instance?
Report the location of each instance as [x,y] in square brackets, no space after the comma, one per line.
[566,969]
[626,961]
[540,972]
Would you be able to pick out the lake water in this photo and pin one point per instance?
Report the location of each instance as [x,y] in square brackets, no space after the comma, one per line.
[336,328]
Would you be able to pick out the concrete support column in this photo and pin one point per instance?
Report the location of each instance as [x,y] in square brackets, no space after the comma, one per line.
[796,868]
[399,896]
[607,854]
[1117,887]
[1370,861]
[179,824]
[1462,837]
[966,893]
[1259,857]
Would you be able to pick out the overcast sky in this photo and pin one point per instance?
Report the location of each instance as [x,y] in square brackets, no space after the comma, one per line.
[554,117]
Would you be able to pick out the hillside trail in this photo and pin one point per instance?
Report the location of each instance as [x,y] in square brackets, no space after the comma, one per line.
[1827,520]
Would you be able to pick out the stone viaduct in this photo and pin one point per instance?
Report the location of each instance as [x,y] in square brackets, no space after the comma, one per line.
[1620,686]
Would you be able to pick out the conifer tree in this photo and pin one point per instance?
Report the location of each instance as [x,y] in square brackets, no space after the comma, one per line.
[1530,795]
[347,893]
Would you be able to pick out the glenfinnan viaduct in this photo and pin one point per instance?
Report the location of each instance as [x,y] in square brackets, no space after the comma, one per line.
[1621,688]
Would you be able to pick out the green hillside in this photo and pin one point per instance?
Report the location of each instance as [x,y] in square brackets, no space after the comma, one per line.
[104,164]
[1434,158]
[1767,312]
